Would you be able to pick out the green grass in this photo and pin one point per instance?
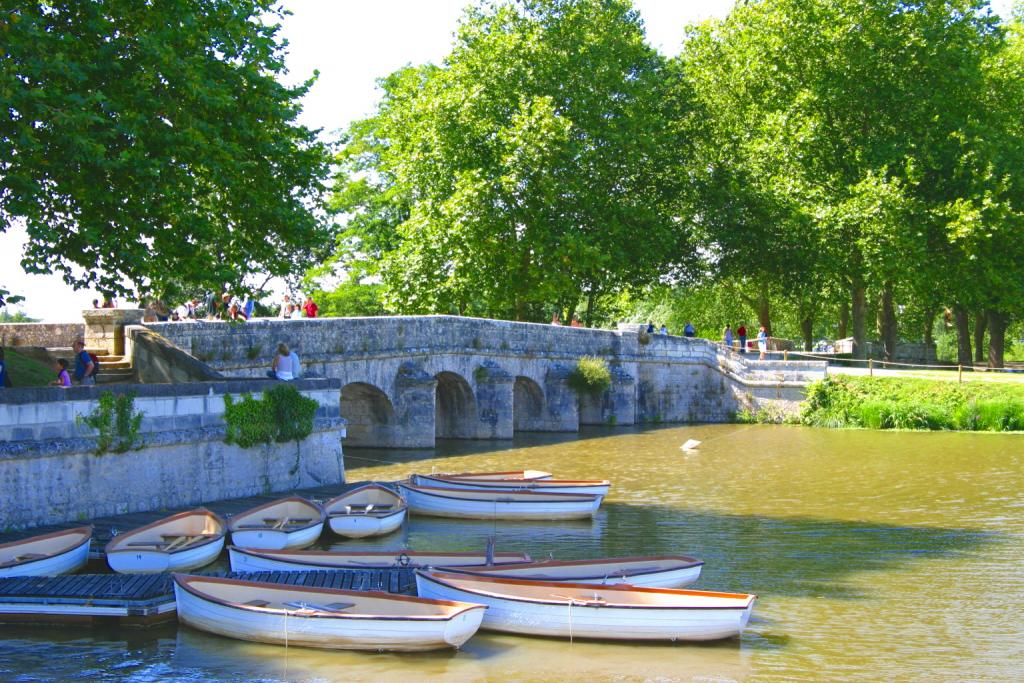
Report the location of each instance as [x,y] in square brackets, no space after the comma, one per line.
[25,372]
[905,403]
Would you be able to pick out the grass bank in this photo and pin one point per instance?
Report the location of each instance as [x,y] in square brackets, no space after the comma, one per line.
[26,372]
[905,403]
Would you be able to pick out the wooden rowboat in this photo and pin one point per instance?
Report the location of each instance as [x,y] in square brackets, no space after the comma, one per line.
[666,571]
[183,541]
[580,610]
[496,504]
[291,522]
[591,487]
[252,560]
[525,475]
[370,510]
[61,552]
[322,617]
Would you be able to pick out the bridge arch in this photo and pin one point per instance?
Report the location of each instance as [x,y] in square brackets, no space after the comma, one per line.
[369,413]
[455,411]
[527,405]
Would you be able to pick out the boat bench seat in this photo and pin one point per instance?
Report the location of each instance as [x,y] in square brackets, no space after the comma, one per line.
[256,603]
[28,556]
[332,607]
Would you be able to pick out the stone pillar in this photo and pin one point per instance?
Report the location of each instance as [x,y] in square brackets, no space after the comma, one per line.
[104,328]
[494,401]
[413,400]
[561,404]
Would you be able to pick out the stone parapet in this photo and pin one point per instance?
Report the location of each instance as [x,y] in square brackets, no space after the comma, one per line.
[104,328]
[44,335]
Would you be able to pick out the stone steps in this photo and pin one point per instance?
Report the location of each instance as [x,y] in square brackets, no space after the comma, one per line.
[114,370]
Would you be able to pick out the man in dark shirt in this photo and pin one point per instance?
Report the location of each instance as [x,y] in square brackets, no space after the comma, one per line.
[84,367]
[741,332]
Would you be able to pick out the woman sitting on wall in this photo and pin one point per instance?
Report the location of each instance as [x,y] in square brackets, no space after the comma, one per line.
[282,367]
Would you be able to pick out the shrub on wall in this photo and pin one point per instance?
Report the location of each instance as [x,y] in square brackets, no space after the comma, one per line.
[116,423]
[283,414]
[591,376]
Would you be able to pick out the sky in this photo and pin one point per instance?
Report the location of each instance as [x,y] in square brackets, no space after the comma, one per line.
[351,43]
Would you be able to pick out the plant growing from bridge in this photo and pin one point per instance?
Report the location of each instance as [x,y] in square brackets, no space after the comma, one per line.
[116,423]
[282,414]
[591,376]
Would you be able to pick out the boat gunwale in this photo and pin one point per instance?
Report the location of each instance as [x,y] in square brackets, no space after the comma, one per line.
[457,607]
[112,544]
[86,531]
[436,577]
[402,505]
[259,552]
[486,571]
[266,527]
[554,483]
[470,475]
[562,497]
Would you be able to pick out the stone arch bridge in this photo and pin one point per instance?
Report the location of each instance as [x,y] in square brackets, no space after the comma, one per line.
[409,380]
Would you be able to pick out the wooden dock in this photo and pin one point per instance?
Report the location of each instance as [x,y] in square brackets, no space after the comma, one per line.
[146,599]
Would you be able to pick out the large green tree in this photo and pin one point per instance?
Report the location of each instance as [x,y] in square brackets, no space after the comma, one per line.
[534,168]
[148,145]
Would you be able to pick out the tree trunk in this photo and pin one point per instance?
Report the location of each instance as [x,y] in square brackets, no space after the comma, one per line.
[844,321]
[980,323]
[764,315]
[929,325]
[807,328]
[888,316]
[858,312]
[963,335]
[590,307]
[997,323]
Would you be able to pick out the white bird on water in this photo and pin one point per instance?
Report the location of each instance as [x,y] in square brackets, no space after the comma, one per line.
[691,445]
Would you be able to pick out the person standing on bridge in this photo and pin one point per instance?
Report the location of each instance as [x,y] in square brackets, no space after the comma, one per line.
[728,336]
[762,341]
[741,332]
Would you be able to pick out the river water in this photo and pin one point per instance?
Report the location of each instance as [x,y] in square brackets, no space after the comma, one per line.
[876,556]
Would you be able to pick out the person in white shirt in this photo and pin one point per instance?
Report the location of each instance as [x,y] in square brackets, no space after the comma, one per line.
[286,307]
[282,367]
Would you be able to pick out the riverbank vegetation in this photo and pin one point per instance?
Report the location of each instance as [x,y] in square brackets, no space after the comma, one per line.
[898,403]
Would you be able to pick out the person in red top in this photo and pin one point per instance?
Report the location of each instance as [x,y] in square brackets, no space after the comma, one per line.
[310,307]
[741,332]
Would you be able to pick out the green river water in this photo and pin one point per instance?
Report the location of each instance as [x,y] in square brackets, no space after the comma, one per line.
[877,556]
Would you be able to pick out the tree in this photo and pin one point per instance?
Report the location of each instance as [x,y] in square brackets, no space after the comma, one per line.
[151,143]
[533,169]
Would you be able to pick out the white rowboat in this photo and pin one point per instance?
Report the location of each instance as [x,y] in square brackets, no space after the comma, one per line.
[579,610]
[291,522]
[183,541]
[590,487]
[491,504]
[526,475]
[322,617]
[370,510]
[61,552]
[667,571]
[250,560]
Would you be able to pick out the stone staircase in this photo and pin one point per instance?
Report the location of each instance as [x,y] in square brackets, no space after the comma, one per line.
[113,369]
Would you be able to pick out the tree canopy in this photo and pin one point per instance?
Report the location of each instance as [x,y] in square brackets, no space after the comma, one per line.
[147,145]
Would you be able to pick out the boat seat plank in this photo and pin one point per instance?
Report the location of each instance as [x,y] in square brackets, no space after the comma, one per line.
[29,556]
[333,607]
[256,603]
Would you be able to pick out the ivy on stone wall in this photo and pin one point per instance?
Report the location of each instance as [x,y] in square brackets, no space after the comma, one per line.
[590,376]
[283,414]
[116,423]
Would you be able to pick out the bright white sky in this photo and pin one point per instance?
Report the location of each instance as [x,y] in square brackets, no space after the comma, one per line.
[352,43]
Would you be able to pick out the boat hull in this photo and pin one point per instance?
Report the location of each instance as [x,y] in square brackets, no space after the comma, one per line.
[676,577]
[538,485]
[496,506]
[605,622]
[364,525]
[277,539]
[64,563]
[152,561]
[242,561]
[293,629]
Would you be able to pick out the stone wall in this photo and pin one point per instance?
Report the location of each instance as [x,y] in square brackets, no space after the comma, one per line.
[50,472]
[46,335]
[158,361]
